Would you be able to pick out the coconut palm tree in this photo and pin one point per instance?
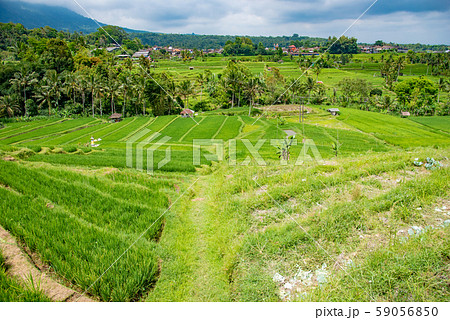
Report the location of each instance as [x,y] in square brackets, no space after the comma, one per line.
[100,93]
[139,87]
[125,88]
[91,85]
[401,63]
[316,70]
[53,79]
[442,86]
[22,81]
[309,86]
[7,106]
[112,90]
[201,79]
[253,87]
[81,77]
[71,85]
[44,95]
[170,90]
[185,89]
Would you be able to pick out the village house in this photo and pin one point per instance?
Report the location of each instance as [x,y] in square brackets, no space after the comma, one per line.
[141,53]
[187,113]
[112,48]
[123,56]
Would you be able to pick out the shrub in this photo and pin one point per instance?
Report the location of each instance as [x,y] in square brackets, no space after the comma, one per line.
[70,149]
[23,153]
[376,92]
[36,149]
[255,112]
[202,106]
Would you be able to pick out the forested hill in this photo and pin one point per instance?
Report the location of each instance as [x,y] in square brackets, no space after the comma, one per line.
[32,15]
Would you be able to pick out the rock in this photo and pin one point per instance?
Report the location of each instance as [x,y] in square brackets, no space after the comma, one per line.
[288,286]
[278,278]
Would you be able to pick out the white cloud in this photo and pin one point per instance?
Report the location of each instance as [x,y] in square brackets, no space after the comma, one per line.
[397,20]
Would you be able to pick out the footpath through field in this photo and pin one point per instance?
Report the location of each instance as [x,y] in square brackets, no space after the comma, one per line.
[192,267]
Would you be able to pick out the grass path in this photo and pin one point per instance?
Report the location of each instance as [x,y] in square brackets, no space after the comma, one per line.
[192,269]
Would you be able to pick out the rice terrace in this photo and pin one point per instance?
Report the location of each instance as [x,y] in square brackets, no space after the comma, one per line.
[255,173]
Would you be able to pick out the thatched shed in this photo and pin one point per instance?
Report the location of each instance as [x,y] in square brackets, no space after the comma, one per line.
[116,117]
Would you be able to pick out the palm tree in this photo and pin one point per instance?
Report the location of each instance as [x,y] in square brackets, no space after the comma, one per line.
[100,92]
[45,94]
[53,80]
[82,86]
[139,87]
[185,89]
[201,79]
[125,88]
[22,81]
[309,85]
[316,70]
[112,90]
[71,85]
[294,86]
[254,86]
[401,63]
[442,86]
[170,91]
[234,77]
[91,85]
[7,106]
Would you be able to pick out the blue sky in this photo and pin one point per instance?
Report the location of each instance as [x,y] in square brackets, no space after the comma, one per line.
[401,21]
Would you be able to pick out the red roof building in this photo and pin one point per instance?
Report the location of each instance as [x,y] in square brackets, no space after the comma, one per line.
[187,113]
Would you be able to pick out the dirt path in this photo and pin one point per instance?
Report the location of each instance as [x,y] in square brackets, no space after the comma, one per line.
[21,267]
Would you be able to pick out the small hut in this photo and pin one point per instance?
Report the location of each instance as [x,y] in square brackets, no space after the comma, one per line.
[187,113]
[405,114]
[116,117]
[333,111]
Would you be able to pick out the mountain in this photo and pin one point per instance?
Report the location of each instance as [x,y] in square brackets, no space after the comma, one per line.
[39,15]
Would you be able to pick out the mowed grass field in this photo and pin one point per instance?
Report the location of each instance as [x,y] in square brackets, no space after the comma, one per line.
[221,232]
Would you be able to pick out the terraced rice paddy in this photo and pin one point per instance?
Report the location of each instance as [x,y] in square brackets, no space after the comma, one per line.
[216,231]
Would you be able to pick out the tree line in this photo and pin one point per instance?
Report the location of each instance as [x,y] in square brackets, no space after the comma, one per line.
[60,75]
